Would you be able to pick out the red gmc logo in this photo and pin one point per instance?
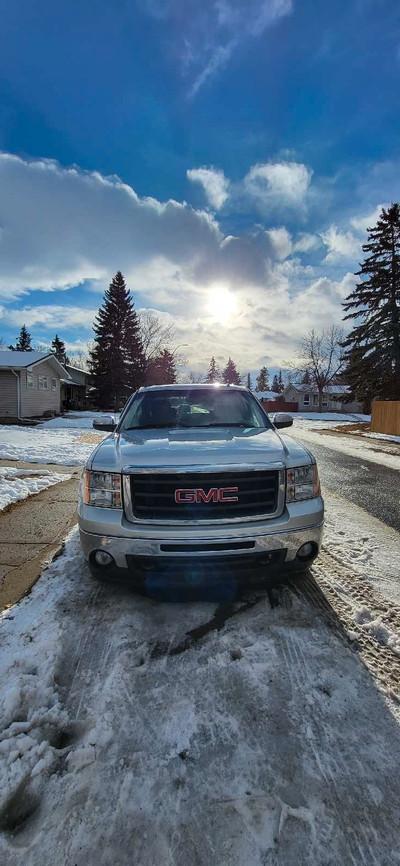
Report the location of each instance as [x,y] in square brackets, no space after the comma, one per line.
[215,494]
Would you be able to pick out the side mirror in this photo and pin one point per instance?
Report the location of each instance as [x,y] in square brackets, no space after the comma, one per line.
[281,419]
[105,422]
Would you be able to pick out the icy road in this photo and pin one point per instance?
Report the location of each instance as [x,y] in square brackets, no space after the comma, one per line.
[245,733]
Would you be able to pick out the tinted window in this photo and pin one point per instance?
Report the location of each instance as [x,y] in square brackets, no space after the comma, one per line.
[208,407]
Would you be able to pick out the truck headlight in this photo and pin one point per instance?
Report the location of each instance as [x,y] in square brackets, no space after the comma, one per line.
[302,483]
[102,489]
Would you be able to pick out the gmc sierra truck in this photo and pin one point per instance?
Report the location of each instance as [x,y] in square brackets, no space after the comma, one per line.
[195,484]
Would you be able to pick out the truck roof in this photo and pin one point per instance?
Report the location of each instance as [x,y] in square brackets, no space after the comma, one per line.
[190,387]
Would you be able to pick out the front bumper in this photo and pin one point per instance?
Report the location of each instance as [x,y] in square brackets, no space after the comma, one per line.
[269,546]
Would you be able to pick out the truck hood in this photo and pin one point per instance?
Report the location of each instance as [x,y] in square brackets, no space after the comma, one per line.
[196,446]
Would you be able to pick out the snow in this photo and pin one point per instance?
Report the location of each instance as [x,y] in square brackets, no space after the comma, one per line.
[389,438]
[357,447]
[266,741]
[338,417]
[21,359]
[18,484]
[54,441]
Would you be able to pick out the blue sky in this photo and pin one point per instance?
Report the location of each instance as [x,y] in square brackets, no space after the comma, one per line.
[272,125]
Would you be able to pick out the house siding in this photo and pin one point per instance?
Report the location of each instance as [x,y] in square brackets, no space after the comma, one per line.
[34,402]
[8,395]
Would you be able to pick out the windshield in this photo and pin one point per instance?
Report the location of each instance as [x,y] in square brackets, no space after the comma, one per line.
[182,407]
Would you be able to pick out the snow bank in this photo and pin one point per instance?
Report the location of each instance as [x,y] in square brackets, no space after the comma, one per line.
[339,417]
[355,446]
[382,436]
[18,484]
[54,441]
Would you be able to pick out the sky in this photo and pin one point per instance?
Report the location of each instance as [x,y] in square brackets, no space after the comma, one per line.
[226,155]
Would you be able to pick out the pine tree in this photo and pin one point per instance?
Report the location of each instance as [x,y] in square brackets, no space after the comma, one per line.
[117,361]
[373,346]
[23,342]
[230,375]
[306,378]
[249,383]
[213,374]
[280,382]
[262,383]
[161,370]
[58,349]
[275,385]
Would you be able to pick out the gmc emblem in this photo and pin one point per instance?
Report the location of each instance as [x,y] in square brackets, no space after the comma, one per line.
[196,494]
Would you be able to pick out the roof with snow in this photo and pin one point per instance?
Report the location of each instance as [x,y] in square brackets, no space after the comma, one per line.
[266,395]
[329,389]
[10,360]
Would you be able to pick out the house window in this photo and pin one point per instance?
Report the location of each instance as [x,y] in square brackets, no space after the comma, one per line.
[324,400]
[29,380]
[315,399]
[42,383]
[306,400]
[54,384]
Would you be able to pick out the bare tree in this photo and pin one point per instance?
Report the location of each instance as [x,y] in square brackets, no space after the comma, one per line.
[80,358]
[195,377]
[155,335]
[320,358]
[2,343]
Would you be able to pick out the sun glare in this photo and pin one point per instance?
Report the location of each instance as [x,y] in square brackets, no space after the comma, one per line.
[222,304]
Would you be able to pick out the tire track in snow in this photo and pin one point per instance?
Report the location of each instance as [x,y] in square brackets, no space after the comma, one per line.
[339,592]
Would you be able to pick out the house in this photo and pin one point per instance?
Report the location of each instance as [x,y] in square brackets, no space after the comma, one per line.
[74,389]
[29,385]
[307,398]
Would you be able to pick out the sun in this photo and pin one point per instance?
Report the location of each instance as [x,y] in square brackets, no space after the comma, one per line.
[222,304]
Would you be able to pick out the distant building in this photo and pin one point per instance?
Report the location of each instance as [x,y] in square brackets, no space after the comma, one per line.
[307,398]
[30,386]
[74,388]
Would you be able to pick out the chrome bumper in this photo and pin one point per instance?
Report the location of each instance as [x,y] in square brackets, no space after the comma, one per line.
[103,529]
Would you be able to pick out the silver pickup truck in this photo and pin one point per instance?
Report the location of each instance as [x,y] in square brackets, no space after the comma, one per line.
[195,484]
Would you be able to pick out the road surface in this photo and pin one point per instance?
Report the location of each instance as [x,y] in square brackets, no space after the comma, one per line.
[369,485]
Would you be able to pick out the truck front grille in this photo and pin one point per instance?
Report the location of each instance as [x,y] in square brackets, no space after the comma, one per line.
[251,493]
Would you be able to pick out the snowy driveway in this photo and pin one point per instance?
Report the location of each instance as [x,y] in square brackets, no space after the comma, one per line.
[136,732]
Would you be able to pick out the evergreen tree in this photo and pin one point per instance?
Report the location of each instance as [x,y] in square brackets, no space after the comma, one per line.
[280,382]
[275,385]
[248,382]
[306,378]
[161,370]
[117,361]
[58,349]
[230,375]
[23,342]
[213,374]
[262,383]
[373,346]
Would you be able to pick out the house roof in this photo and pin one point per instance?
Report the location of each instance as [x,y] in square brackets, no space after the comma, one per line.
[10,360]
[266,395]
[311,389]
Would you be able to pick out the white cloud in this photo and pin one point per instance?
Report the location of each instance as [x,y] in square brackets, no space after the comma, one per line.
[214,183]
[278,183]
[212,34]
[62,227]
[305,243]
[361,223]
[50,317]
[281,242]
[341,246]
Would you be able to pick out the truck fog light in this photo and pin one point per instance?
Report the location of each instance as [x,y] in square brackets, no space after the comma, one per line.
[306,551]
[101,557]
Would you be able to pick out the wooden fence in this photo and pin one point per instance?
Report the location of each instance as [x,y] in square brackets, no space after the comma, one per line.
[386,417]
[279,406]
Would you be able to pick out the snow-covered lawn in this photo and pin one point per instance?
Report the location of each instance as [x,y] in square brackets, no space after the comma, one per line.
[18,484]
[139,732]
[312,432]
[385,436]
[67,440]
